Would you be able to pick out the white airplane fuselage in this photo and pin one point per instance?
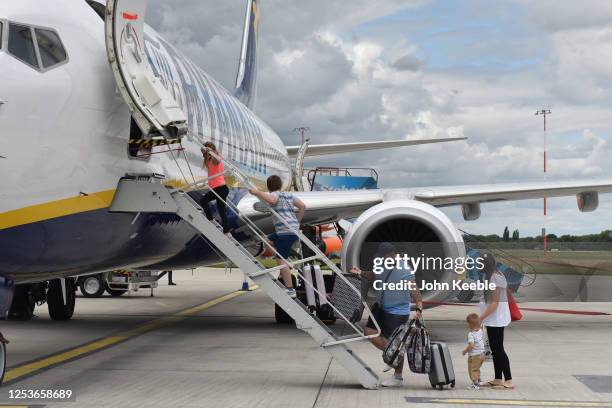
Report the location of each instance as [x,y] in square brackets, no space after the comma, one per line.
[65,136]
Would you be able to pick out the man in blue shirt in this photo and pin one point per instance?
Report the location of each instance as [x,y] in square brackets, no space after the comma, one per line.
[392,308]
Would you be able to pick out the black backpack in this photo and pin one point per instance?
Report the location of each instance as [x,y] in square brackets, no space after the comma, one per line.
[418,349]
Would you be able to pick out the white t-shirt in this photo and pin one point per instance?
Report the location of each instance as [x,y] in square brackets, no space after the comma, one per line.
[477,338]
[501,316]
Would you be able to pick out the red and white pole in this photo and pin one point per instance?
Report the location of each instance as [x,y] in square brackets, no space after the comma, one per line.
[544,112]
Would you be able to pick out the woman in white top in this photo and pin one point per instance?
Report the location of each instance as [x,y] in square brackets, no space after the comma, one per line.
[495,315]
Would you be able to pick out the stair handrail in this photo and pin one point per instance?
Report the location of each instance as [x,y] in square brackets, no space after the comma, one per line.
[261,235]
[505,254]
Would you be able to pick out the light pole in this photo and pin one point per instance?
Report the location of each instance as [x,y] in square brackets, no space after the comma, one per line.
[544,112]
[302,131]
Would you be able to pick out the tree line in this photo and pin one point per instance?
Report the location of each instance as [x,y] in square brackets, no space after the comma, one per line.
[604,236]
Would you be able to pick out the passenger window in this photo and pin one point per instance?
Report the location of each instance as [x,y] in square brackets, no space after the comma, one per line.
[1,29]
[21,45]
[50,47]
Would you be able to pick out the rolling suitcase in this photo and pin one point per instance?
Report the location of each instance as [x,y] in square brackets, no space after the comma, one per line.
[442,372]
[346,300]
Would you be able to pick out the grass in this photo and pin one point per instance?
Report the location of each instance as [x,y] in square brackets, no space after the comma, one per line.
[567,262]
[553,263]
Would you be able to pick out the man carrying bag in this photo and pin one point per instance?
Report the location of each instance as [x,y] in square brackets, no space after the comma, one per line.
[392,307]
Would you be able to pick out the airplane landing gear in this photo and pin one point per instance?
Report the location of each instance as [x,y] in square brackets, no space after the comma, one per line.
[23,304]
[61,299]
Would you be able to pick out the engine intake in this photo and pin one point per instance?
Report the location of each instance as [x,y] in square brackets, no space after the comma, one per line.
[416,229]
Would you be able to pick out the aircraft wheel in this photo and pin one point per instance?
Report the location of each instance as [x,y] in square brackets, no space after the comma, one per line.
[58,310]
[281,316]
[115,292]
[23,304]
[2,361]
[91,286]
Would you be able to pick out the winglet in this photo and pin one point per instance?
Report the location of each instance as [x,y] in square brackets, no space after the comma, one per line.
[246,79]
[323,149]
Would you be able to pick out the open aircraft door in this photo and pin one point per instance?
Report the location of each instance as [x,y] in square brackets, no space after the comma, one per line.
[153,108]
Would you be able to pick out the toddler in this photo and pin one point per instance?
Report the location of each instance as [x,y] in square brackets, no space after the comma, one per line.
[475,350]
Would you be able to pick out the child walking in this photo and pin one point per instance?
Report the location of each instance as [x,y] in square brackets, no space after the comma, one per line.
[475,349]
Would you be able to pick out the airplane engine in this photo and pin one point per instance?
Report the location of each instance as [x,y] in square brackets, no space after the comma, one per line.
[416,229]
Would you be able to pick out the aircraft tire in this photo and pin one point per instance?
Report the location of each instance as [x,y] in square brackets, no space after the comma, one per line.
[281,316]
[55,300]
[23,304]
[115,292]
[92,286]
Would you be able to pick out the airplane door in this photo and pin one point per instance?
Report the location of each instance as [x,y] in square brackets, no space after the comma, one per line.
[154,108]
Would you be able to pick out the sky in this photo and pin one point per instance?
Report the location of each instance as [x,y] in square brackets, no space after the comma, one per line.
[389,69]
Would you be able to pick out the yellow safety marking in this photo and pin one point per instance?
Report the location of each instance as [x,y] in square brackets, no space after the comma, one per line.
[153,142]
[522,403]
[14,406]
[80,351]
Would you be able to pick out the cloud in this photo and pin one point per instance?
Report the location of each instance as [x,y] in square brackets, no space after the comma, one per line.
[366,70]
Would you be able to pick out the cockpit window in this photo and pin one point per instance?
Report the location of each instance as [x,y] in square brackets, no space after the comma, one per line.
[99,8]
[21,44]
[50,47]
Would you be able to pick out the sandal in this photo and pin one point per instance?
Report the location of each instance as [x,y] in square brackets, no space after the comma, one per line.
[493,384]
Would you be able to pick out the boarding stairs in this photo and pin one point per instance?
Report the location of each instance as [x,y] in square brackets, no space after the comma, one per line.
[139,193]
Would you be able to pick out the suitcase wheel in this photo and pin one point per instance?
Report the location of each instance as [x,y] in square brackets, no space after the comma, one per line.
[452,384]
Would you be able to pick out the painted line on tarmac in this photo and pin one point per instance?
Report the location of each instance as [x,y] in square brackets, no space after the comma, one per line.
[509,402]
[21,406]
[29,369]
[529,309]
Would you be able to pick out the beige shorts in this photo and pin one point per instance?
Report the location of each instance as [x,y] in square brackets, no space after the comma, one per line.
[474,364]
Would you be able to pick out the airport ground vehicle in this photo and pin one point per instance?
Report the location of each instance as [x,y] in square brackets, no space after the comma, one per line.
[117,283]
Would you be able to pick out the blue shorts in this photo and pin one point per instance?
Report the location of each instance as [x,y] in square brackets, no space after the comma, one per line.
[283,243]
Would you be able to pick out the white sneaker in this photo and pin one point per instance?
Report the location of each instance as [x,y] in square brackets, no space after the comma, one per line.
[473,387]
[392,382]
[291,293]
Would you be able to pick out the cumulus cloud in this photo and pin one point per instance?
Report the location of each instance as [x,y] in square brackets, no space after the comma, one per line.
[362,70]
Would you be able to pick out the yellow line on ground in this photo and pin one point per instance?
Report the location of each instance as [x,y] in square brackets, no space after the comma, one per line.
[80,351]
[529,403]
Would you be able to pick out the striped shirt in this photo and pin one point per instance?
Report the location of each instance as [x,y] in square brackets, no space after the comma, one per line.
[284,208]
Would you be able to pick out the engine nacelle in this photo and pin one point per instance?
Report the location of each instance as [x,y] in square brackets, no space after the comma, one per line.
[415,228]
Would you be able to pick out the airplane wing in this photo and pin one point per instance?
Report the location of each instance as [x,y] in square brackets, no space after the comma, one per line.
[335,148]
[327,206]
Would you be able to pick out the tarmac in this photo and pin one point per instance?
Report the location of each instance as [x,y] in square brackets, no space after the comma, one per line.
[204,343]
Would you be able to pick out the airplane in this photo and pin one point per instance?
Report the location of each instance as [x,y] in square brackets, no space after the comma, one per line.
[90,93]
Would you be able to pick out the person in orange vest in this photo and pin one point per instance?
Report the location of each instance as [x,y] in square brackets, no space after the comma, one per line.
[214,166]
